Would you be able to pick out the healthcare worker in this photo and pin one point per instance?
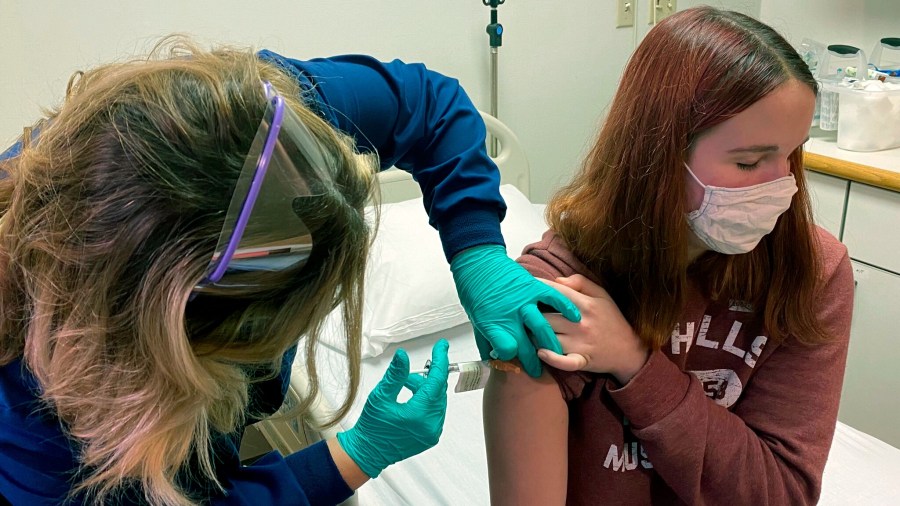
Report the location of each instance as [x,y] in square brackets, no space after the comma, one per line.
[173,228]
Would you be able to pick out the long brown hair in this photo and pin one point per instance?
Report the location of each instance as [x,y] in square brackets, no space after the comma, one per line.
[109,220]
[623,213]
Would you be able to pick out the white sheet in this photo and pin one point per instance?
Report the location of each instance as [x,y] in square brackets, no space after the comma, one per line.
[455,471]
[860,470]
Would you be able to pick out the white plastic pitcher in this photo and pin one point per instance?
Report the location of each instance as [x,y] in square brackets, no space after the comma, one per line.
[886,55]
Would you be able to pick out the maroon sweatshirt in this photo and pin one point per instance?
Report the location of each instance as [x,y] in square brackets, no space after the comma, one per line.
[721,415]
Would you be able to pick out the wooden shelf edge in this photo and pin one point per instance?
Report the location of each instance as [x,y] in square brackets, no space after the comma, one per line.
[853,171]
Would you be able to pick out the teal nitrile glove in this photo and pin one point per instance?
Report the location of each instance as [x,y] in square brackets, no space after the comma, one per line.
[501,299]
[389,431]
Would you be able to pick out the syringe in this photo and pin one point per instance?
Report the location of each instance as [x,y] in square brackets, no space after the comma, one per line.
[499,365]
[473,375]
[452,367]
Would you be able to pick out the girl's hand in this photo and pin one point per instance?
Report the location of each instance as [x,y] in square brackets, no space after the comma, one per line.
[602,342]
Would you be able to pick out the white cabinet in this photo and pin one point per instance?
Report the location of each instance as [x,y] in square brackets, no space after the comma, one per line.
[828,195]
[867,220]
[872,227]
[871,395]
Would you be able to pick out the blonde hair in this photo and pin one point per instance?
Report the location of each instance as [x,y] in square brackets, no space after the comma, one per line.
[109,221]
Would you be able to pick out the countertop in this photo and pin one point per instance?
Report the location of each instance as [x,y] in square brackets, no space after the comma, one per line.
[876,168]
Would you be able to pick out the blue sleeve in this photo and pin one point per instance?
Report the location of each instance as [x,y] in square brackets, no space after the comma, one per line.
[419,121]
[16,148]
[309,476]
[38,461]
[12,151]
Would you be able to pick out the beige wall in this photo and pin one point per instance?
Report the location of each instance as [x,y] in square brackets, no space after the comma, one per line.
[558,65]
[856,22]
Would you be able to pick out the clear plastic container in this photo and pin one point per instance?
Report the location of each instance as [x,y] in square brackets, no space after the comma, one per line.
[828,103]
[813,52]
[865,113]
[869,118]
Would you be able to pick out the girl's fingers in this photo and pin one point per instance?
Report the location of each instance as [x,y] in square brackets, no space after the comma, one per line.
[560,324]
[570,362]
[583,285]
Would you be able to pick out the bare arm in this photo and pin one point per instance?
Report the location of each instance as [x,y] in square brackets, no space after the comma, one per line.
[350,472]
[526,434]
[526,420]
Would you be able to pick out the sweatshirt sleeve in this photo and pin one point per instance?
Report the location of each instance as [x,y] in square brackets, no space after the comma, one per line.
[419,121]
[549,259]
[772,448]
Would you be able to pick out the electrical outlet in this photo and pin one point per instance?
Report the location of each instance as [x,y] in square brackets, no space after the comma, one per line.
[624,13]
[659,9]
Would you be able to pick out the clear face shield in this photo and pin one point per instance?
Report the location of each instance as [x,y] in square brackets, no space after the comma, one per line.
[263,231]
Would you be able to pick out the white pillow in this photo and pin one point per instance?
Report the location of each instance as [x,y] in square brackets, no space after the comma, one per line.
[409,287]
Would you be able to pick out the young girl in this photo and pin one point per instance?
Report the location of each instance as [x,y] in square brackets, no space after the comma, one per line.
[708,363]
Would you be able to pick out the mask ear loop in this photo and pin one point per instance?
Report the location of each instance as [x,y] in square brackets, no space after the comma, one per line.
[694,176]
[706,195]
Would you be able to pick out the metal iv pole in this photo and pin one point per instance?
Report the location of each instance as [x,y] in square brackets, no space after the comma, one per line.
[495,35]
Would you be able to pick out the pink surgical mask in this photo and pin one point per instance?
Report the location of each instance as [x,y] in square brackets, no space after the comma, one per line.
[733,220]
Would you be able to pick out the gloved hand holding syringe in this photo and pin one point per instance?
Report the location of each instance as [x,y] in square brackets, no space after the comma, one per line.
[473,375]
